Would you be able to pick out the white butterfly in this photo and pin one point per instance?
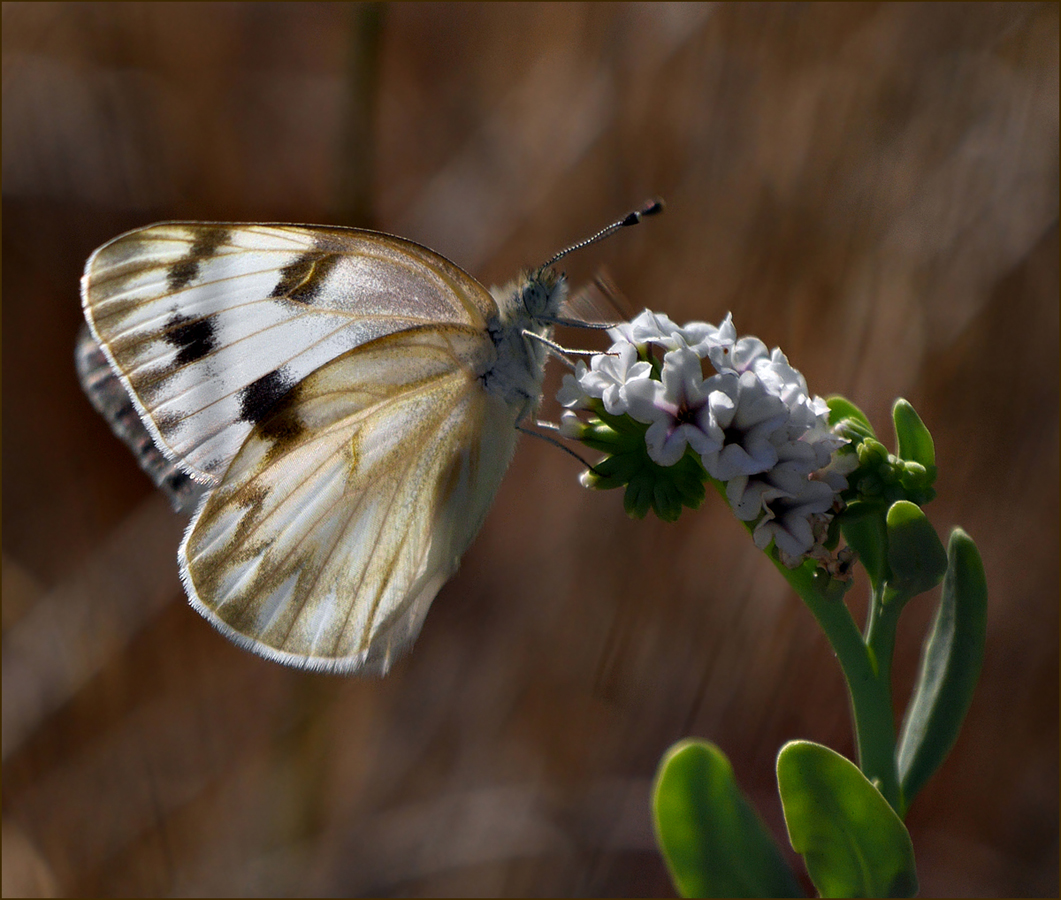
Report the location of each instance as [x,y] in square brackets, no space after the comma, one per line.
[349,399]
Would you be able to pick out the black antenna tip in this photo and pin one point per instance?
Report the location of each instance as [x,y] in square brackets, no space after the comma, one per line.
[649,209]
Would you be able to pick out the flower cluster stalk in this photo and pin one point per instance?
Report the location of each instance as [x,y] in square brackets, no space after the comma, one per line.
[867,671]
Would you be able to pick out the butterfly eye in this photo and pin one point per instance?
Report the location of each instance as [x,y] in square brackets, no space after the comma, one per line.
[538,293]
[534,297]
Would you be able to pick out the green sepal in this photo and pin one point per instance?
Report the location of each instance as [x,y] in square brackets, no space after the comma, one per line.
[614,471]
[712,839]
[852,841]
[622,424]
[665,489]
[613,434]
[950,667]
[872,454]
[912,439]
[916,558]
[649,486]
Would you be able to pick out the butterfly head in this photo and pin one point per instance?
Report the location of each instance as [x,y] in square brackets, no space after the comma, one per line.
[542,291]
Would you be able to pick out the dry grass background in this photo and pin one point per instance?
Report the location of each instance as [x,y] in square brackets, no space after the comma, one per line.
[873,187]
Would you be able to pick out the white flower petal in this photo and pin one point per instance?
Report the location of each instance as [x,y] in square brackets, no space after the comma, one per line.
[746,353]
[699,337]
[647,328]
[644,401]
[572,395]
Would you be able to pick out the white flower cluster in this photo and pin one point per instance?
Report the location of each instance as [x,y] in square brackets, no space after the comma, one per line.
[751,420]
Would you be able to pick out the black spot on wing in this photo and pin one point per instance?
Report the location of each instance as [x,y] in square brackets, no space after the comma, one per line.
[193,338]
[271,403]
[186,270]
[303,279]
[182,273]
[260,396]
[283,424]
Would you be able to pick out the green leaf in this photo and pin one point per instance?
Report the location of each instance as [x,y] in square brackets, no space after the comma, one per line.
[915,553]
[913,441]
[714,843]
[851,839]
[950,668]
[863,527]
[841,408]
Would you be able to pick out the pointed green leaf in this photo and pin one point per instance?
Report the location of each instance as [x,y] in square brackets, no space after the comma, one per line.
[851,839]
[915,553]
[913,441]
[713,841]
[950,667]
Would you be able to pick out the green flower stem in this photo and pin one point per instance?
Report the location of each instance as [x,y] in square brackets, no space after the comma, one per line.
[866,669]
[881,624]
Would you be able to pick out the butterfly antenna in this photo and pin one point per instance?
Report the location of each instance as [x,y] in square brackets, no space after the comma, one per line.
[649,209]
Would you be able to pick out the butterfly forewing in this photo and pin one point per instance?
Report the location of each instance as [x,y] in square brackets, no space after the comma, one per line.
[350,503]
[111,400]
[208,325]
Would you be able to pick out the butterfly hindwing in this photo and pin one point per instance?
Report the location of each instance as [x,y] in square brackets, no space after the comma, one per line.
[208,325]
[349,504]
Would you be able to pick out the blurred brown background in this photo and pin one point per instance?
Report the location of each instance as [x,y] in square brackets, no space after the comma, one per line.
[873,187]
